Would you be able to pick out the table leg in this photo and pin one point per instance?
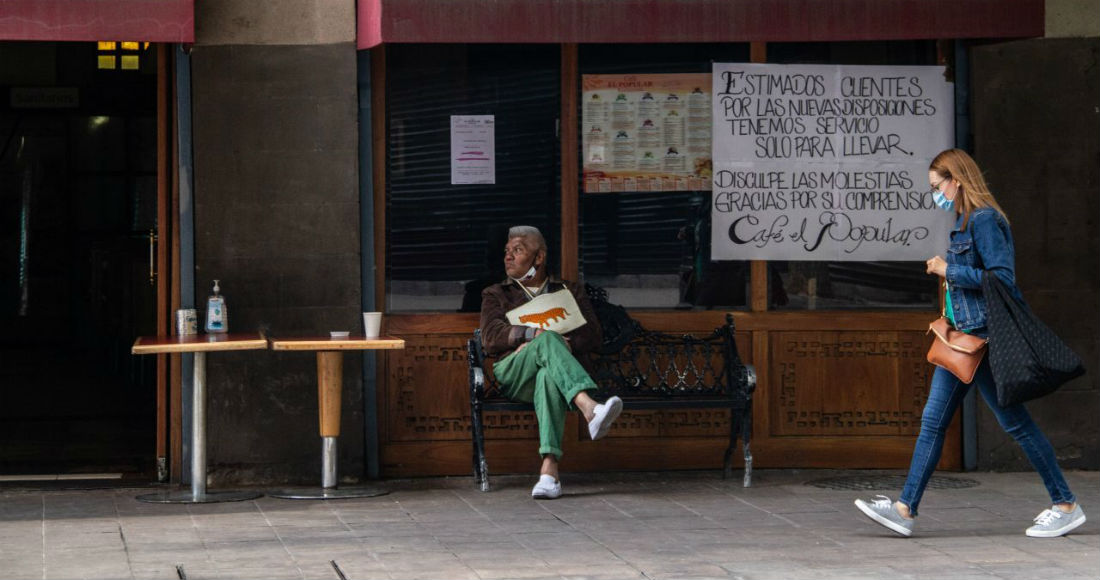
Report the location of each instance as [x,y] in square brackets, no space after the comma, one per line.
[198,427]
[198,493]
[330,380]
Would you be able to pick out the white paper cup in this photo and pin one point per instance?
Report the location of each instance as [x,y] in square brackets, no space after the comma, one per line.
[372,324]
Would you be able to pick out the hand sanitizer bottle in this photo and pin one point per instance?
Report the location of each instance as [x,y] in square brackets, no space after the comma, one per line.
[217,317]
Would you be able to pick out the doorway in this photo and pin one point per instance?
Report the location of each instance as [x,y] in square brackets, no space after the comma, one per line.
[78,216]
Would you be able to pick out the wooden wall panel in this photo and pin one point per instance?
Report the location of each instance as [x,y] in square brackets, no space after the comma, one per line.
[847,383]
[425,392]
[427,397]
[840,390]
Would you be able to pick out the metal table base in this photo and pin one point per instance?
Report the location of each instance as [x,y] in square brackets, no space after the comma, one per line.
[198,493]
[327,492]
[328,488]
[185,496]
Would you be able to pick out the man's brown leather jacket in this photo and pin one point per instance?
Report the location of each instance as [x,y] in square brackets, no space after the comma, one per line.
[500,338]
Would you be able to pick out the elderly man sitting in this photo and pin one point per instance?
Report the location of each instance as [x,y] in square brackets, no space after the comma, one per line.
[539,366]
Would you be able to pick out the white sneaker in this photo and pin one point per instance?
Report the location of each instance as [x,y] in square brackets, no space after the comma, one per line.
[602,417]
[882,511]
[1053,522]
[546,488]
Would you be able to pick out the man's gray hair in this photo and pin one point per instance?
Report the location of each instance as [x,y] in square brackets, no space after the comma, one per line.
[530,233]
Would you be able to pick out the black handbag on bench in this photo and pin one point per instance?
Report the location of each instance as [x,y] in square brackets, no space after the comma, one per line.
[1027,359]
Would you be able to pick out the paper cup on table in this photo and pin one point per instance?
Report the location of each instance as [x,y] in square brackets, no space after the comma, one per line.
[187,321]
[372,324]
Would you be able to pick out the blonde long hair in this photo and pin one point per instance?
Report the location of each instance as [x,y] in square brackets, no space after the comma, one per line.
[973,192]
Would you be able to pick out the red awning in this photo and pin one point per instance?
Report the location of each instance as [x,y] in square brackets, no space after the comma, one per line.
[137,20]
[656,21]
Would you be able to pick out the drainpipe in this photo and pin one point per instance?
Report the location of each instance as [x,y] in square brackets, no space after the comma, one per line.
[187,234]
[366,259]
[962,141]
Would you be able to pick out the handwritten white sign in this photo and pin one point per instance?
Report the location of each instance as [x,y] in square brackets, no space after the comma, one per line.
[826,162]
[473,149]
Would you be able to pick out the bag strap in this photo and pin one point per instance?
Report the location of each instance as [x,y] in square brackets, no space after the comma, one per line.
[944,289]
[954,347]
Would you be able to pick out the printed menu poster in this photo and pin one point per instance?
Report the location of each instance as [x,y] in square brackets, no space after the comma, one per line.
[828,162]
[646,132]
[473,150]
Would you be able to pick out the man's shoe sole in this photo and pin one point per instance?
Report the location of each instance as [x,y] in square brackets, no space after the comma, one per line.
[1056,533]
[893,526]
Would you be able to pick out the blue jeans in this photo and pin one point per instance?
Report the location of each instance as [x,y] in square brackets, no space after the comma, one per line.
[944,399]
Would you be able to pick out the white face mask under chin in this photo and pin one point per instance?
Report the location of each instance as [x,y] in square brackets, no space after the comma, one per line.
[529,275]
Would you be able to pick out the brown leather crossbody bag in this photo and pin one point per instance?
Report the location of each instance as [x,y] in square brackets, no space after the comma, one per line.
[955,351]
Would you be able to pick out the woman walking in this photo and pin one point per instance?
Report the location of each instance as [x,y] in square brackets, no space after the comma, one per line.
[980,241]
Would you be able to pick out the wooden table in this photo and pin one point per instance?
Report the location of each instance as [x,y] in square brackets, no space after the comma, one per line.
[330,380]
[199,344]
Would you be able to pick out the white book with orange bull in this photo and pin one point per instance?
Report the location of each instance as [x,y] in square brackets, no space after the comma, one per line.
[557,311]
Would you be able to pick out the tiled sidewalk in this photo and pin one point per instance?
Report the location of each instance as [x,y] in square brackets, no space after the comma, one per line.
[640,525]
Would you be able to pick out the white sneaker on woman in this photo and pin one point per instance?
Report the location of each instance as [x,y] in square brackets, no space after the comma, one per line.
[1053,522]
[882,511]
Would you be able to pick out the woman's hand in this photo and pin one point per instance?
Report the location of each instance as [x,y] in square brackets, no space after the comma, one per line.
[936,265]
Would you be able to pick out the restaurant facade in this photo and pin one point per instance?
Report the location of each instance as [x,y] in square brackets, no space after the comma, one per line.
[310,158]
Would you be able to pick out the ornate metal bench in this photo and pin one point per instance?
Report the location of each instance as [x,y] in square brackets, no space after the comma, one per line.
[648,370]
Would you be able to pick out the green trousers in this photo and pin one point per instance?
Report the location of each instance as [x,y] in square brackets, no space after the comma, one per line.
[546,374]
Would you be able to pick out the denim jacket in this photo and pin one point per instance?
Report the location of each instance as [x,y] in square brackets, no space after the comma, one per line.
[986,244]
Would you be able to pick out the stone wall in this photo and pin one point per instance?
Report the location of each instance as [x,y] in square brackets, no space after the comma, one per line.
[1035,106]
[275,121]
[1072,18]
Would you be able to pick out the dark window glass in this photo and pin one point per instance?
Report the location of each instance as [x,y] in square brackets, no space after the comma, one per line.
[445,242]
[653,249]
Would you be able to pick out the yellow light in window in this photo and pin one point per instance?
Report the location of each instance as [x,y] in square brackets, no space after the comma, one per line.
[107,61]
[145,46]
[130,62]
[106,45]
[130,46]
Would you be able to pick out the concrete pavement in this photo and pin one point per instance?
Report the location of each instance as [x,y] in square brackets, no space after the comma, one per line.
[667,525]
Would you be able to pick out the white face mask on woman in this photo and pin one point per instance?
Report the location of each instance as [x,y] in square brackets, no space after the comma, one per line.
[941,200]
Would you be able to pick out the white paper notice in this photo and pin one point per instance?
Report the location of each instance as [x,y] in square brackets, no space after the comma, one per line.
[473,150]
[646,132]
[828,162]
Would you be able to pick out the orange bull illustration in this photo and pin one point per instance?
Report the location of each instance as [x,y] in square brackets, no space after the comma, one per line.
[543,319]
